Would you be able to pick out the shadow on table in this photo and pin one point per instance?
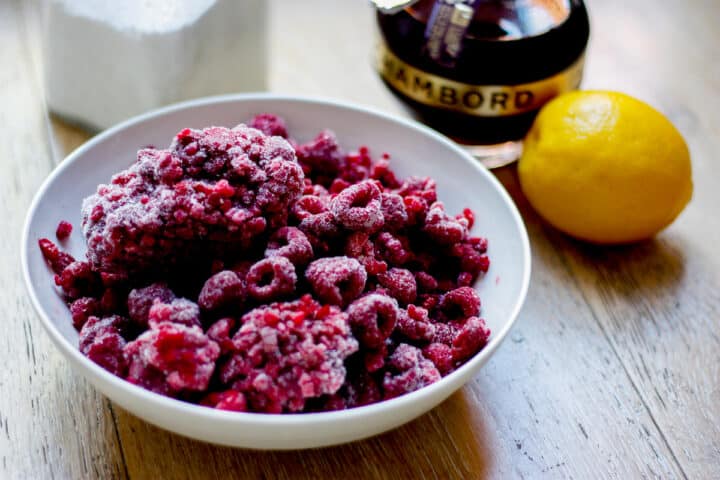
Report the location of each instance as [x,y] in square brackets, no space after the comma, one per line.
[447,443]
[634,271]
[630,271]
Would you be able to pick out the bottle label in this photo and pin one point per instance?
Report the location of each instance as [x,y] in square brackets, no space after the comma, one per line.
[478,100]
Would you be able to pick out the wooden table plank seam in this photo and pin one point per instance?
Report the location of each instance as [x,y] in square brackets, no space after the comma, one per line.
[123,461]
[620,359]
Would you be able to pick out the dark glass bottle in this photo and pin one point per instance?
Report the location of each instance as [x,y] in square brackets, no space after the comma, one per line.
[479,70]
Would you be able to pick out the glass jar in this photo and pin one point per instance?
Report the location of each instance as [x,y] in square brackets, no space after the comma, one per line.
[108,60]
[479,70]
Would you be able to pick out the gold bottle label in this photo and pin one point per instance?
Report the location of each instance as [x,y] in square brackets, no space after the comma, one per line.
[477,100]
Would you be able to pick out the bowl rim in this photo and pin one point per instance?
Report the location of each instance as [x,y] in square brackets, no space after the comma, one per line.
[254,418]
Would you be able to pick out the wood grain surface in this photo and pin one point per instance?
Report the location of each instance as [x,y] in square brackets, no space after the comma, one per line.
[612,370]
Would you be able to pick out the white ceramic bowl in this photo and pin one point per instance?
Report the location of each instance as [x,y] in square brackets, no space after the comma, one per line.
[415,149]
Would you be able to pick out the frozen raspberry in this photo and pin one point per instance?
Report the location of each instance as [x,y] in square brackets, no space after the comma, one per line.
[469,216]
[327,403]
[271,279]
[420,187]
[291,243]
[269,124]
[484,263]
[320,228]
[316,190]
[414,324]
[471,256]
[314,218]
[169,168]
[64,229]
[338,185]
[358,207]
[393,210]
[282,186]
[140,300]
[213,187]
[359,246]
[356,167]
[447,284]
[102,342]
[286,353]
[99,325]
[408,371]
[245,169]
[374,360]
[381,171]
[400,284]
[426,283]
[142,374]
[372,319]
[220,333]
[82,309]
[322,155]
[222,290]
[428,301]
[307,206]
[416,208]
[78,280]
[480,244]
[57,259]
[442,228]
[278,220]
[361,389]
[470,339]
[392,248]
[171,358]
[179,311]
[228,400]
[464,279]
[441,355]
[113,300]
[336,280]
[459,304]
[444,333]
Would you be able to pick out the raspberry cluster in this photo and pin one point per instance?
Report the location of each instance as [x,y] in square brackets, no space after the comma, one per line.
[216,188]
[240,270]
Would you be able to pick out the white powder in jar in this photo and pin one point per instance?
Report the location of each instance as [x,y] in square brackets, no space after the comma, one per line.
[107,60]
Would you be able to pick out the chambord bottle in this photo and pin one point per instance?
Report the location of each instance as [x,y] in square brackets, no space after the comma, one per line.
[479,70]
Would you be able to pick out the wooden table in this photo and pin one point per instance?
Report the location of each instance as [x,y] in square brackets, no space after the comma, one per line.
[612,370]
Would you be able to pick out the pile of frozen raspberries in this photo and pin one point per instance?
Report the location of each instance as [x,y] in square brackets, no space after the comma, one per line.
[240,270]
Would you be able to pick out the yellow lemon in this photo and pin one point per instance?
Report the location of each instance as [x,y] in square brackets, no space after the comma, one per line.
[605,167]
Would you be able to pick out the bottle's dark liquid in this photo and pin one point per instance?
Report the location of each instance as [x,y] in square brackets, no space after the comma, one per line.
[513,56]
